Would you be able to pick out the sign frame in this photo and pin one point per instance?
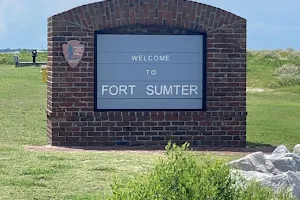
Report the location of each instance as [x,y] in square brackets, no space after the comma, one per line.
[204,75]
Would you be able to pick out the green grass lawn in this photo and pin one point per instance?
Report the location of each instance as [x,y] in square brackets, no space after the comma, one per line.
[51,175]
[273,118]
[48,175]
[273,115]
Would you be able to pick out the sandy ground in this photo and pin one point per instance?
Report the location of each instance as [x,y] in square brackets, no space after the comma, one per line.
[154,150]
[255,90]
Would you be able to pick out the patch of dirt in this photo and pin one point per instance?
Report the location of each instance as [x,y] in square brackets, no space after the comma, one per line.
[153,150]
[255,90]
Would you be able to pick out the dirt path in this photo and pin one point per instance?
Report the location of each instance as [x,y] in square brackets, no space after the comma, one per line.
[255,90]
[154,150]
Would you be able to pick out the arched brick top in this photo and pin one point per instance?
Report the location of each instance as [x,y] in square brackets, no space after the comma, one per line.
[170,13]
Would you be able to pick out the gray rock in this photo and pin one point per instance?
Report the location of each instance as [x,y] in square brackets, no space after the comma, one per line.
[253,162]
[296,159]
[280,170]
[281,149]
[256,175]
[271,168]
[284,164]
[297,149]
[294,182]
[287,180]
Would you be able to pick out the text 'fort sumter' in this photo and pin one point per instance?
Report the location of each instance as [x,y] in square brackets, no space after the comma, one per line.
[151,90]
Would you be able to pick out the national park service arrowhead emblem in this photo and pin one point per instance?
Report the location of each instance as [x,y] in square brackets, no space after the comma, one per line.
[73,52]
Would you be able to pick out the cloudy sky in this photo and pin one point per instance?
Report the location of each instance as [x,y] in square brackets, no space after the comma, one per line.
[271,24]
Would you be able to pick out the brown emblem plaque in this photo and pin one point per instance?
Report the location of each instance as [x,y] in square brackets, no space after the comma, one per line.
[73,52]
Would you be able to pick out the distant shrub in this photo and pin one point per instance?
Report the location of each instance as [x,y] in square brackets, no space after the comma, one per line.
[294,56]
[24,56]
[269,54]
[288,74]
[5,59]
[290,49]
[182,176]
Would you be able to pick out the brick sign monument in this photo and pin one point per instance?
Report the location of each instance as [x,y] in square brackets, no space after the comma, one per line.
[141,73]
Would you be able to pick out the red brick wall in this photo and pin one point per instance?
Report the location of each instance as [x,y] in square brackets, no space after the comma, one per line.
[70,111]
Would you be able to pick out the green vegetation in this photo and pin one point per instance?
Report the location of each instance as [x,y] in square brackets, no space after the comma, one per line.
[49,175]
[181,176]
[273,115]
[264,70]
[24,56]
[273,119]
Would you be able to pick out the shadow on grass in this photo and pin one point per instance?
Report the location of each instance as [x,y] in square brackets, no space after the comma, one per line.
[260,145]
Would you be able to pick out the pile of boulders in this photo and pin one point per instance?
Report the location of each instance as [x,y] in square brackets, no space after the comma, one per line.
[277,170]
